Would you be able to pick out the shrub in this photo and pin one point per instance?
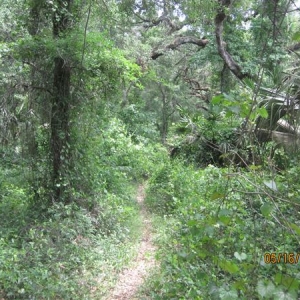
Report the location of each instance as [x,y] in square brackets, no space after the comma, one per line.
[226,222]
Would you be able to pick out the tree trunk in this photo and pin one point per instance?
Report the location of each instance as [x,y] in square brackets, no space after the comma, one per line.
[164,125]
[164,117]
[60,115]
[60,132]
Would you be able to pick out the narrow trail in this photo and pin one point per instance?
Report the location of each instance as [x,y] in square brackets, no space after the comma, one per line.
[133,277]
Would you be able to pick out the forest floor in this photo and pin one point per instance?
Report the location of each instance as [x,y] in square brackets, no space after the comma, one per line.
[133,277]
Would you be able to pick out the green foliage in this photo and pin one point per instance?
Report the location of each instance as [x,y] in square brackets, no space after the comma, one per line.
[140,124]
[168,186]
[218,223]
[296,36]
[47,254]
[110,157]
[240,105]
[57,251]
[50,259]
[207,139]
[106,62]
[225,223]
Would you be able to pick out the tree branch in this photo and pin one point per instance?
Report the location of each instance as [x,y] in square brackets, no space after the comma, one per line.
[85,32]
[178,42]
[27,86]
[294,47]
[219,20]
[165,19]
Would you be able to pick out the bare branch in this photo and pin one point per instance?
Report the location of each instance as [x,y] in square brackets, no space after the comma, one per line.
[178,42]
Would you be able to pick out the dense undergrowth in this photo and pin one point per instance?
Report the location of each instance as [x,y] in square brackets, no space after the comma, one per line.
[217,226]
[214,225]
[73,250]
[88,88]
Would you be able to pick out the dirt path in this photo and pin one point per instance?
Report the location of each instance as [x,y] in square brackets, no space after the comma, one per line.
[132,278]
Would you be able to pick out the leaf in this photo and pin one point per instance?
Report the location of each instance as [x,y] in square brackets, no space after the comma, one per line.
[225,216]
[271,184]
[282,295]
[295,227]
[213,290]
[225,219]
[240,285]
[229,97]
[241,256]
[202,275]
[229,266]
[265,289]
[263,112]
[229,114]
[296,36]
[217,99]
[266,209]
[203,254]
[235,109]
[249,83]
[183,254]
[209,230]
[216,195]
[254,167]
[191,223]
[287,281]
[228,295]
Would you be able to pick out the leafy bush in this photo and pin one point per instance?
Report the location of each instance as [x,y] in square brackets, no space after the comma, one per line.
[110,158]
[47,259]
[55,250]
[139,123]
[46,265]
[205,139]
[58,250]
[168,186]
[226,222]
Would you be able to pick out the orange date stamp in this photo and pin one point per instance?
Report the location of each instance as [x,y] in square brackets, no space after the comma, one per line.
[282,257]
